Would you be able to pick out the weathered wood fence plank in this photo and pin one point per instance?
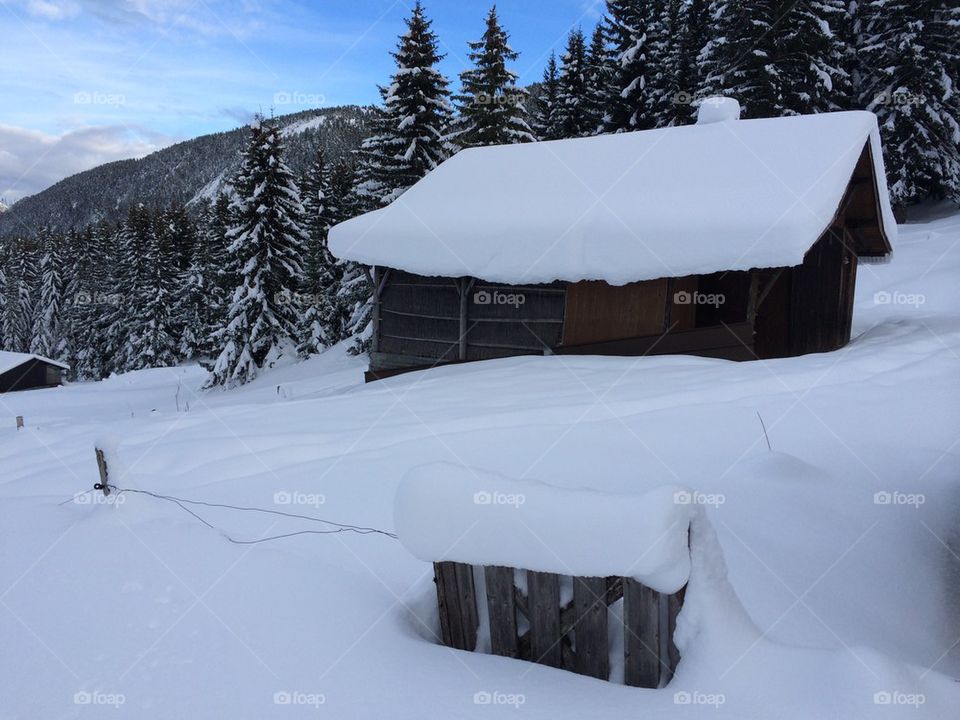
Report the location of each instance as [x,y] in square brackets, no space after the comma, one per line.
[641,617]
[502,609]
[457,601]
[590,628]
[543,593]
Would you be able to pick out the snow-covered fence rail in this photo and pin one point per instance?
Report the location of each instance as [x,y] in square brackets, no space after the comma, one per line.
[538,573]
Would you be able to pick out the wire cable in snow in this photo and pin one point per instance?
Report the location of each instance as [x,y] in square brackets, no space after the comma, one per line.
[182,503]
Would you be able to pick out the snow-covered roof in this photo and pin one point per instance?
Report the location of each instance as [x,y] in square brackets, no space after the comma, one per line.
[636,206]
[10,360]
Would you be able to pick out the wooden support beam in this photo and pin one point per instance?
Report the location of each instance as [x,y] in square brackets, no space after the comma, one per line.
[464,285]
[457,602]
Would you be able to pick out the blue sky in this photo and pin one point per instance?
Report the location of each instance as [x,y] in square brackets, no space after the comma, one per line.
[89,81]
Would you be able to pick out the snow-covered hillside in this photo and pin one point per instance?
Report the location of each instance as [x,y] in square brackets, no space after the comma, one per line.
[842,542]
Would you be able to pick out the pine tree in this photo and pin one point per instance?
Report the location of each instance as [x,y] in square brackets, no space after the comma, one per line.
[93,300]
[572,114]
[690,39]
[663,91]
[409,138]
[545,123]
[266,247]
[910,60]
[739,59]
[18,304]
[492,110]
[340,301]
[629,32]
[313,331]
[600,64]
[48,333]
[810,57]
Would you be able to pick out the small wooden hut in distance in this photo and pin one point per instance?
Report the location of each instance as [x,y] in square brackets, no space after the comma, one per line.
[731,238]
[24,371]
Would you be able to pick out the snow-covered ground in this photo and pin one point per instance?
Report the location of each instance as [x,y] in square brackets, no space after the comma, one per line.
[842,544]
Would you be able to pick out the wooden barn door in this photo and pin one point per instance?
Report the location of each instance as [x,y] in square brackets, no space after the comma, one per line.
[597,311]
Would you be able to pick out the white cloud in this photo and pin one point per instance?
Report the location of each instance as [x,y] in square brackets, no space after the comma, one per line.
[52,9]
[31,161]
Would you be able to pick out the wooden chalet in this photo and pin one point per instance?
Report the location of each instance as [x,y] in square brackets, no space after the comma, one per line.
[734,239]
[24,371]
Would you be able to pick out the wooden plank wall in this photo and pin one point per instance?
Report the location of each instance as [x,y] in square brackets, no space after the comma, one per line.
[423,321]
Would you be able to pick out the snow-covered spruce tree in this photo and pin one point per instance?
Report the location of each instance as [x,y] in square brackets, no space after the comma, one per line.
[154,344]
[665,98]
[199,302]
[690,38]
[628,26]
[313,329]
[48,337]
[811,57]
[572,114]
[545,124]
[409,134]
[739,59]
[18,304]
[341,300]
[492,109]
[910,60]
[266,248]
[600,63]
[129,275]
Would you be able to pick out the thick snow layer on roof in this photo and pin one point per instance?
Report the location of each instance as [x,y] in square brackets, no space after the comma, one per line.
[10,360]
[446,512]
[635,206]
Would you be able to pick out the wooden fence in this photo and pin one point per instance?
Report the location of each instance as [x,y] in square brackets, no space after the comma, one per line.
[573,635]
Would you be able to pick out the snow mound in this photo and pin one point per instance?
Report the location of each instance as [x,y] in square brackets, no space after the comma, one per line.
[718,109]
[447,512]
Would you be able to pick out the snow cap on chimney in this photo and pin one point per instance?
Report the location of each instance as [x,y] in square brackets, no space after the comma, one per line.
[717,109]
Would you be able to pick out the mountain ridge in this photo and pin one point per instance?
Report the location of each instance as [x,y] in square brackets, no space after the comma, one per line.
[184,172]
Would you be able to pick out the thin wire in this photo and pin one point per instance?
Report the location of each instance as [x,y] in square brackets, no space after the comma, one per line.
[183,502]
